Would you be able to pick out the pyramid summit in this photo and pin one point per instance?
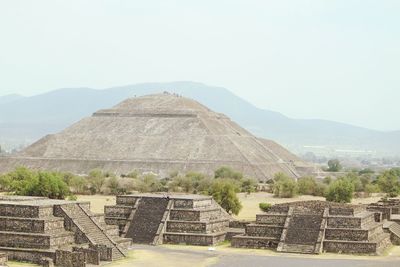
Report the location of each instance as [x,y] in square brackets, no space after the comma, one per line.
[160,133]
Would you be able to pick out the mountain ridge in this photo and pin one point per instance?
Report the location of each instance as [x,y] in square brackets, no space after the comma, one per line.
[28,118]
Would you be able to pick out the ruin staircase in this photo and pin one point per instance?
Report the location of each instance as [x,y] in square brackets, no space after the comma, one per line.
[145,222]
[303,231]
[394,229]
[92,230]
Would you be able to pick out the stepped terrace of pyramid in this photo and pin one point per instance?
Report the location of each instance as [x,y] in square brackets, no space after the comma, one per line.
[57,232]
[312,227]
[169,218]
[160,134]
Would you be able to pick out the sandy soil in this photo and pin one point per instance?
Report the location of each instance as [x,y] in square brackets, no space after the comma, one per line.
[97,202]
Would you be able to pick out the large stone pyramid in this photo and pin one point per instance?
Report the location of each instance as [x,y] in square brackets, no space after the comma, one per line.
[157,133]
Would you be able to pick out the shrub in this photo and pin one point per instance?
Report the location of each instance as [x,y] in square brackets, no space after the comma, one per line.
[307,186]
[389,183]
[79,185]
[224,193]
[96,180]
[226,172]
[148,183]
[334,165]
[248,185]
[265,206]
[340,191]
[45,184]
[284,187]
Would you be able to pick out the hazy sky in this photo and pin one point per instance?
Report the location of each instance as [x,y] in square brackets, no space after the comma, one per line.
[328,59]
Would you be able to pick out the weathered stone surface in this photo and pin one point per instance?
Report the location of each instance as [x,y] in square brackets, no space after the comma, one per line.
[33,229]
[158,133]
[170,218]
[316,226]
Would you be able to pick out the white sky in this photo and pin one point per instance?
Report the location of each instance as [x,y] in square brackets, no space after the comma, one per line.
[328,59]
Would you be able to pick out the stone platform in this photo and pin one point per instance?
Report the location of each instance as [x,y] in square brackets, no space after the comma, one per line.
[169,218]
[313,227]
[60,232]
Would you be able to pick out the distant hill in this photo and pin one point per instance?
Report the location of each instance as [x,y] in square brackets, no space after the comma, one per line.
[25,119]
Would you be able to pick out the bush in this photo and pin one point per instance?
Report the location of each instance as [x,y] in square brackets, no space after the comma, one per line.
[265,206]
[340,191]
[96,180]
[389,182]
[79,185]
[148,183]
[284,186]
[226,172]
[248,185]
[30,183]
[307,186]
[334,165]
[224,193]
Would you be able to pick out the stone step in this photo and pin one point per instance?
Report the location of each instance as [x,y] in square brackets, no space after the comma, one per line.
[298,248]
[254,242]
[372,248]
[194,238]
[147,218]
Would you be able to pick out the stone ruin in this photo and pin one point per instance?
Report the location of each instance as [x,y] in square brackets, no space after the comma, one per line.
[59,232]
[173,218]
[314,227]
[390,210]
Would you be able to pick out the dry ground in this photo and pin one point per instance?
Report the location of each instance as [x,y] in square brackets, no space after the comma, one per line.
[225,256]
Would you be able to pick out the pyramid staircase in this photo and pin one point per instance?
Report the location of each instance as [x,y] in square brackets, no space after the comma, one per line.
[146,220]
[156,219]
[311,227]
[91,229]
[63,233]
[304,231]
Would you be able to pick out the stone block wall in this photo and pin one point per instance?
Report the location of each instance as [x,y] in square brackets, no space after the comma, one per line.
[70,258]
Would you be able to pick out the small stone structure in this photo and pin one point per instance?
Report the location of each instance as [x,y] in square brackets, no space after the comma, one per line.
[63,233]
[316,226]
[173,218]
[390,210]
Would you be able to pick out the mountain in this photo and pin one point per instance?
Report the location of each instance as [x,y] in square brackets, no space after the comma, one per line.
[9,98]
[26,119]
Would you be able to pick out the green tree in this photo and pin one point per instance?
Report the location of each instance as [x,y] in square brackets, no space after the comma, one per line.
[284,186]
[248,185]
[224,193]
[307,185]
[340,191]
[78,184]
[389,183]
[114,186]
[96,179]
[226,172]
[334,165]
[45,184]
